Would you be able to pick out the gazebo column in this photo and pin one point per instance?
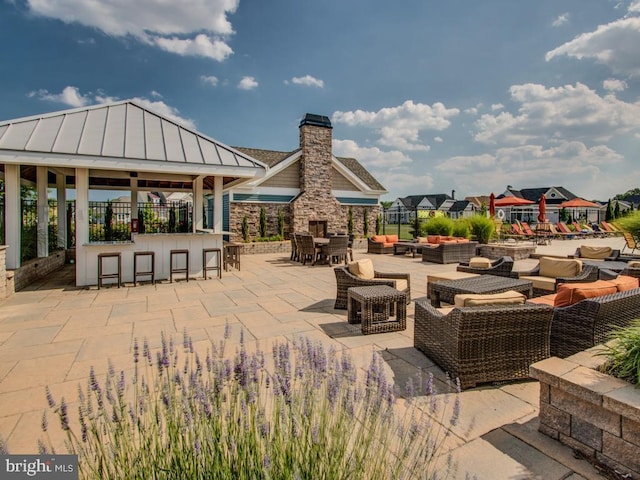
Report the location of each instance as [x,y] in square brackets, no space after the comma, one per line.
[134,199]
[12,214]
[61,195]
[82,223]
[43,211]
[217,203]
[198,202]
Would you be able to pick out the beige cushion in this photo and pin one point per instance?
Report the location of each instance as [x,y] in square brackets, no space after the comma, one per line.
[445,310]
[559,267]
[423,239]
[544,300]
[362,269]
[633,264]
[596,253]
[437,277]
[542,283]
[510,297]
[401,283]
[479,262]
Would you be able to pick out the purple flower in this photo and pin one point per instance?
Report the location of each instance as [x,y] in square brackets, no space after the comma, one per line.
[44,424]
[42,448]
[50,400]
[64,419]
[3,447]
[93,382]
[136,350]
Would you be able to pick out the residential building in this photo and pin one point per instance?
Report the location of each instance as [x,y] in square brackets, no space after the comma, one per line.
[405,209]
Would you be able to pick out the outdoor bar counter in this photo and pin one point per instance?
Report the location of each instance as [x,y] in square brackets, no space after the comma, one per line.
[159,243]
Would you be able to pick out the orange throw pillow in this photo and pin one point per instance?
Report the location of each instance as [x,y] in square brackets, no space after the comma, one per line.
[379,238]
[434,239]
[625,282]
[570,293]
[391,238]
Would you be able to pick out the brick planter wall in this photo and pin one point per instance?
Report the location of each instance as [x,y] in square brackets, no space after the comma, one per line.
[517,252]
[32,270]
[591,412]
[285,246]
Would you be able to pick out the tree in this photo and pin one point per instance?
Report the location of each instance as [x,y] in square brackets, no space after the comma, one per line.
[616,210]
[608,216]
[108,223]
[280,223]
[244,227]
[350,221]
[263,222]
[366,222]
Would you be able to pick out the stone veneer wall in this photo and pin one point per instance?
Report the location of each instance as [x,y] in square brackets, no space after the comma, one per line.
[591,412]
[517,252]
[3,271]
[252,211]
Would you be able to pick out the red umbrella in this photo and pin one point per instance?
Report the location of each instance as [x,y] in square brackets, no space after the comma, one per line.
[507,201]
[492,205]
[542,209]
[579,203]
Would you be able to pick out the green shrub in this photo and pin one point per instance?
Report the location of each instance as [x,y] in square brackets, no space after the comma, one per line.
[437,226]
[461,228]
[311,415]
[263,222]
[280,223]
[244,227]
[623,354]
[365,221]
[482,228]
[350,221]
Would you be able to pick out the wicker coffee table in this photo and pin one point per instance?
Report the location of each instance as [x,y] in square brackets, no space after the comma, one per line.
[374,305]
[446,291]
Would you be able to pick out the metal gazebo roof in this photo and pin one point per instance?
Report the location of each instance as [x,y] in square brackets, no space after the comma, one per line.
[120,136]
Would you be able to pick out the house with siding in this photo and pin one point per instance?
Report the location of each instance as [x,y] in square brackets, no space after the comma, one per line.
[405,209]
[314,190]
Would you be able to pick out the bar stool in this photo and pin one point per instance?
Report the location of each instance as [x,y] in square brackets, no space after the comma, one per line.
[145,273]
[218,266]
[231,256]
[172,269]
[101,275]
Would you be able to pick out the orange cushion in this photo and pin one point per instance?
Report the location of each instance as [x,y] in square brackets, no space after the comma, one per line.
[379,238]
[391,238]
[448,241]
[434,238]
[625,282]
[570,293]
[387,244]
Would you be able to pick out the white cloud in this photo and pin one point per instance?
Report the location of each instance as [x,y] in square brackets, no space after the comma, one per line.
[247,83]
[614,85]
[471,111]
[497,106]
[167,25]
[582,168]
[209,79]
[370,156]
[438,139]
[556,114]
[634,7]
[199,46]
[561,20]
[614,45]
[307,81]
[71,96]
[399,127]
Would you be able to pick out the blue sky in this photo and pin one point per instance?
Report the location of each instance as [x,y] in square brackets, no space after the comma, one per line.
[430,96]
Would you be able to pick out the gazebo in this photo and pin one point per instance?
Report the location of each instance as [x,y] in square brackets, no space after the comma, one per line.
[115,146]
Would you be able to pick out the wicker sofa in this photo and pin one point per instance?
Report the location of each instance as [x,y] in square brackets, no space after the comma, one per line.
[596,253]
[381,243]
[551,272]
[449,251]
[502,267]
[484,344]
[348,276]
[585,313]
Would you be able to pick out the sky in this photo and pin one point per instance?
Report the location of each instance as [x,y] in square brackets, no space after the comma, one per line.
[430,96]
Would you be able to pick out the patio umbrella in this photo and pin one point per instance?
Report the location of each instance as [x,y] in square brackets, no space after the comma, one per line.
[492,205]
[579,203]
[542,209]
[512,201]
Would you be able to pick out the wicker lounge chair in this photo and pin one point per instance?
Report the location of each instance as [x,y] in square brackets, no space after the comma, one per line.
[345,279]
[544,285]
[484,344]
[449,252]
[589,322]
[502,267]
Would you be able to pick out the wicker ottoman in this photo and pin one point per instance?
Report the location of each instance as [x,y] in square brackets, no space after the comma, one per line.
[374,305]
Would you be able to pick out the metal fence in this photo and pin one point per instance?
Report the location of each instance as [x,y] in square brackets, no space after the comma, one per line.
[108,221]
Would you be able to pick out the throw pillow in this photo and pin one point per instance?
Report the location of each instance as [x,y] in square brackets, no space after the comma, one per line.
[570,293]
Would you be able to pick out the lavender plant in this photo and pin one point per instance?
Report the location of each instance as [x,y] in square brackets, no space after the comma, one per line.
[310,416]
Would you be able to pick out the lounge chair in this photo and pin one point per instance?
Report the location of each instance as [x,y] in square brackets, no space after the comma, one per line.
[551,272]
[630,243]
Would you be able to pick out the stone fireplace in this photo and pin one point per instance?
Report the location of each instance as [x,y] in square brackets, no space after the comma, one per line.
[316,208]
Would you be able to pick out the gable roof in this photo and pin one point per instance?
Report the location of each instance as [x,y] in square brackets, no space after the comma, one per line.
[120,136]
[459,205]
[534,194]
[412,201]
[274,157]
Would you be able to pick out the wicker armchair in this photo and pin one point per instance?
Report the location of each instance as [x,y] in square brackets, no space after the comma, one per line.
[345,280]
[589,322]
[581,252]
[377,247]
[484,344]
[449,252]
[589,274]
[502,267]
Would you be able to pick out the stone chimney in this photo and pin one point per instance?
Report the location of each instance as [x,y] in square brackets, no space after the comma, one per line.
[315,142]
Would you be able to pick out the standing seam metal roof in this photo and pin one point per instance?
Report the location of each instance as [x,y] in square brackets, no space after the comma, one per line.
[121,130]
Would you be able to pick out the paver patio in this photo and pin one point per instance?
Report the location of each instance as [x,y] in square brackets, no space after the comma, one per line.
[52,333]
